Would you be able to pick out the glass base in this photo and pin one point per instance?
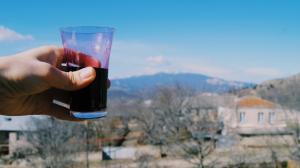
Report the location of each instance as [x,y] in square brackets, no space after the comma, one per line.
[88,115]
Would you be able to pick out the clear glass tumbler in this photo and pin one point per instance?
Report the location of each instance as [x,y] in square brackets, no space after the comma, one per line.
[88,46]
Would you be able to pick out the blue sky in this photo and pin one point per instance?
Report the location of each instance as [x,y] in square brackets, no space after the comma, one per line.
[246,40]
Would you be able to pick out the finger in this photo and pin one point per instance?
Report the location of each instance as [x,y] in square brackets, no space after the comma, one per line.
[60,95]
[50,54]
[42,105]
[60,57]
[62,113]
[73,80]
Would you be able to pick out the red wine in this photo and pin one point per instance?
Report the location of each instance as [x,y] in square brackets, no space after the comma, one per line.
[94,96]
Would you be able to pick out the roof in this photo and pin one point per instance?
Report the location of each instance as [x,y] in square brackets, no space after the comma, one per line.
[251,102]
[15,123]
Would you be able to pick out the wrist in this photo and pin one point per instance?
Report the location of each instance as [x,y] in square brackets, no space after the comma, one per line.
[3,64]
[3,67]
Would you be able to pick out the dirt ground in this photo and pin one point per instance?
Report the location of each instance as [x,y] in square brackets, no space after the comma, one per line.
[223,157]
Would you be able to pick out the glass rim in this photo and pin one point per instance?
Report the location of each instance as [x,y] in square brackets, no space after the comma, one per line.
[87,29]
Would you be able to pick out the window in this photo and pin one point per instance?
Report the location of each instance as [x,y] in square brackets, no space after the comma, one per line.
[260,118]
[18,136]
[271,117]
[242,117]
[4,137]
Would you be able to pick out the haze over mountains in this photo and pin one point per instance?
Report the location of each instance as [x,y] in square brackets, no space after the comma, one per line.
[198,82]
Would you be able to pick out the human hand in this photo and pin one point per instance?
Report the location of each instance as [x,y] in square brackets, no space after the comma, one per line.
[30,80]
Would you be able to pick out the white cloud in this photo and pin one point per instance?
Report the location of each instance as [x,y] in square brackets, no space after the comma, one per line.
[142,58]
[206,69]
[150,70]
[157,60]
[131,58]
[263,72]
[10,35]
[178,66]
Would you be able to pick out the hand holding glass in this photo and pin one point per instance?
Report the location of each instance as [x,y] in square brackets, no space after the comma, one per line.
[88,46]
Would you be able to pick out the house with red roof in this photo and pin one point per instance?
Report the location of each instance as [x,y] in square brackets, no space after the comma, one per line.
[257,122]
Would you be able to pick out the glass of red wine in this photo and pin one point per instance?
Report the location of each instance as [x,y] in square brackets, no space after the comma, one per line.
[88,46]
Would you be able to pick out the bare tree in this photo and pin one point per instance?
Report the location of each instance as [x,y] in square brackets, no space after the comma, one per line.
[175,117]
[56,142]
[109,131]
[203,129]
[156,114]
[294,125]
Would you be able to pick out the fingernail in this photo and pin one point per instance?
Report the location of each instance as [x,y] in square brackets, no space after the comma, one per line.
[86,73]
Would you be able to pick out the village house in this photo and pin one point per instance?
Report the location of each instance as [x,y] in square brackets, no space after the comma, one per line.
[257,122]
[11,133]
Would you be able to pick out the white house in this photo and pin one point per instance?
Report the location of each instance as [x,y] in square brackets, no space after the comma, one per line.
[257,121]
[11,129]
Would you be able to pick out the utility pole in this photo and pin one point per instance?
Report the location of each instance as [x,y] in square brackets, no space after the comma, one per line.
[87,143]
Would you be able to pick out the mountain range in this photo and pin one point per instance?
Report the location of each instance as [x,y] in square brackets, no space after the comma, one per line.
[284,91]
[147,83]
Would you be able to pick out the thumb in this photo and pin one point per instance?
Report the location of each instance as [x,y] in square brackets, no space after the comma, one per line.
[72,80]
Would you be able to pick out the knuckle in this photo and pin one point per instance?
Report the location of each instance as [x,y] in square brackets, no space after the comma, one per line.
[71,84]
[50,49]
[41,69]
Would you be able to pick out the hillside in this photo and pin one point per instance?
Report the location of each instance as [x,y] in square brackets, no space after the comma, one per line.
[285,91]
[146,83]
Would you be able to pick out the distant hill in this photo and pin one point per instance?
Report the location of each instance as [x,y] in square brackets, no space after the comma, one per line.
[285,91]
[146,83]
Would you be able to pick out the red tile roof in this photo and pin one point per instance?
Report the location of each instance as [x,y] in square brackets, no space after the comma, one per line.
[252,102]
